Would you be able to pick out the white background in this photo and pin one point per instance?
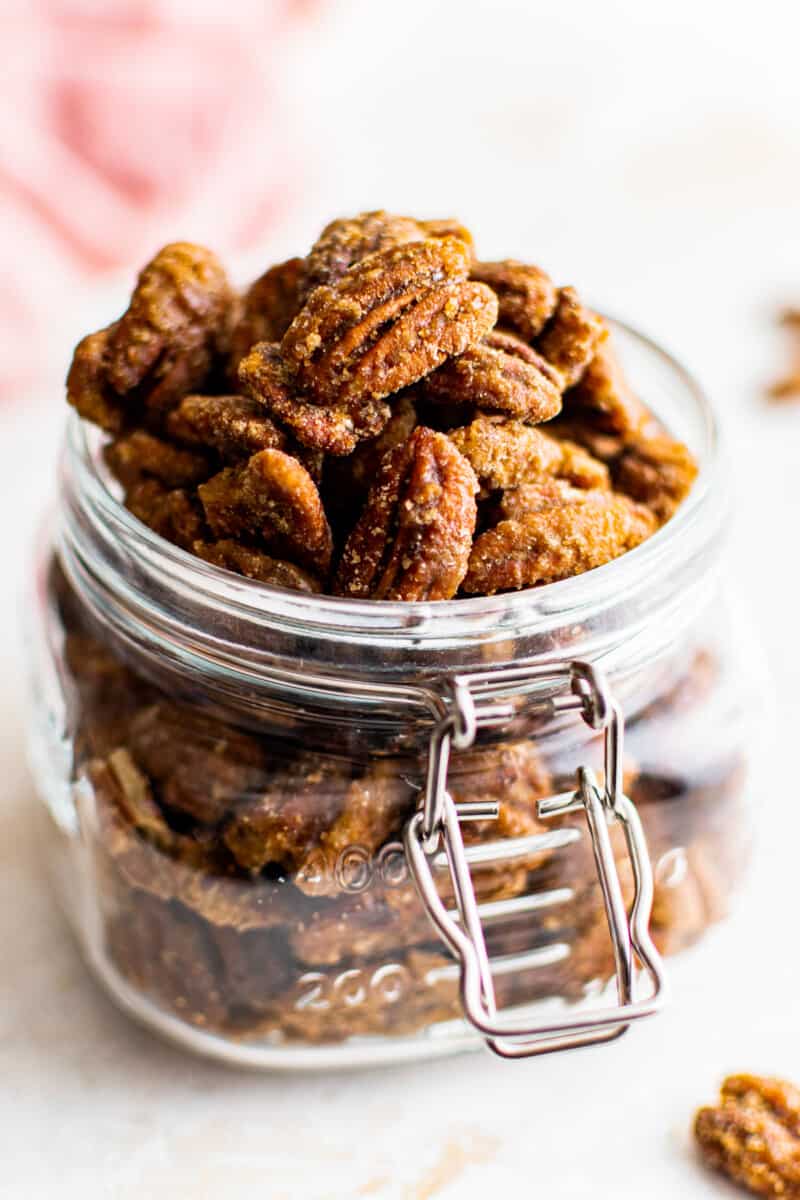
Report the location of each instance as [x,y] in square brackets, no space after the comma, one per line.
[650,154]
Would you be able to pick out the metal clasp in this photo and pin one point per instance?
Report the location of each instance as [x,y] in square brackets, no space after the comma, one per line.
[484,700]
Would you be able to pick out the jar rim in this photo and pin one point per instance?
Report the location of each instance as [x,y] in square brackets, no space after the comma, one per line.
[336,616]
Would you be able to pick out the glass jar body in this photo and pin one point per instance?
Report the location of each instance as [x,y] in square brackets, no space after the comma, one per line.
[237,878]
[226,778]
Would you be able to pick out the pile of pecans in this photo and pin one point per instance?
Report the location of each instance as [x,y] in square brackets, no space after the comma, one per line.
[368,420]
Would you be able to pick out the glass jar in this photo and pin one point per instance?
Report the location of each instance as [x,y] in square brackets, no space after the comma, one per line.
[252,813]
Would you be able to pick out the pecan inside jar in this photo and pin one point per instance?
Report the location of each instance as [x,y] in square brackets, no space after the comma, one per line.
[340,411]
[413,538]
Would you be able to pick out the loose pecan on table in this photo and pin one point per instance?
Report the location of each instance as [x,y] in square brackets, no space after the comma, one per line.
[753,1134]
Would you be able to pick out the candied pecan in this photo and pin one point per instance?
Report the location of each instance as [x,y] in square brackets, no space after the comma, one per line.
[271,497]
[172,513]
[390,320]
[604,392]
[656,471]
[502,374]
[254,564]
[347,240]
[88,390]
[374,808]
[526,295]
[364,463]
[233,425]
[335,428]
[571,337]
[542,547]
[536,495]
[301,799]
[449,227]
[504,453]
[176,323]
[268,308]
[753,1134]
[140,455]
[195,869]
[412,540]
[201,766]
[788,386]
[579,427]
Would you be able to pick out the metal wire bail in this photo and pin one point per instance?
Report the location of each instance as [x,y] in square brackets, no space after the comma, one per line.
[482,700]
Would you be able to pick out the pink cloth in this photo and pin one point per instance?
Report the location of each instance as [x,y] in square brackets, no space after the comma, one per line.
[123,125]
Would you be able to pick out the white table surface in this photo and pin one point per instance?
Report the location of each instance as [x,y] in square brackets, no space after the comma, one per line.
[654,160]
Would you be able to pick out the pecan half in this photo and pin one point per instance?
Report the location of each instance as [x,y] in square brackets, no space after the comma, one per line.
[504,453]
[140,455]
[656,471]
[173,513]
[753,1134]
[201,766]
[336,428]
[283,824]
[176,322]
[559,541]
[606,396]
[236,426]
[163,346]
[88,389]
[254,564]
[268,308]
[273,499]
[572,336]
[413,538]
[364,463]
[390,320]
[501,374]
[526,295]
[347,240]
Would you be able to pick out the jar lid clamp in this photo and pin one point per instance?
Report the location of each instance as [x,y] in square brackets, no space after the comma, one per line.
[483,700]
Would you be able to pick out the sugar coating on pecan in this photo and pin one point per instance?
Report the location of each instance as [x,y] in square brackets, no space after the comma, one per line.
[88,390]
[345,241]
[141,455]
[753,1134]
[235,426]
[534,495]
[656,471]
[172,513]
[255,564]
[268,308]
[363,465]
[336,428]
[273,499]
[504,453]
[605,394]
[412,540]
[176,322]
[571,337]
[526,295]
[557,542]
[390,320]
[502,374]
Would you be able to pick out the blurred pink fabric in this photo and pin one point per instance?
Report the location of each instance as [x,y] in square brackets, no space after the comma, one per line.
[124,123]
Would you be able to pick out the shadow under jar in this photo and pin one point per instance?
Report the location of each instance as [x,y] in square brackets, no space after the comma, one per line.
[231,774]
